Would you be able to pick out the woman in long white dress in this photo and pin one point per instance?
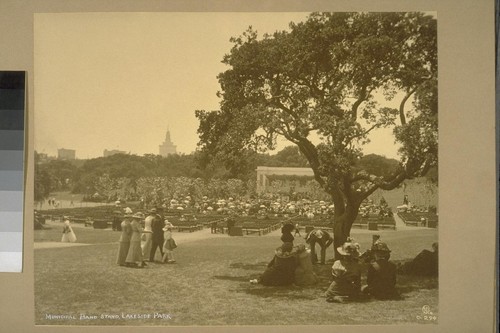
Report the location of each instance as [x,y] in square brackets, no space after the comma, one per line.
[134,256]
[124,240]
[68,233]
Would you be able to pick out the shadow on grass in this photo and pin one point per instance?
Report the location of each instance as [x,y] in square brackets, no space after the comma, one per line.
[232,278]
[288,292]
[406,283]
[260,266]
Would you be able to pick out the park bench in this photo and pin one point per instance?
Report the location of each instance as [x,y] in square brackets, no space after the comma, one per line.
[386,226]
[78,220]
[412,223]
[100,223]
[189,228]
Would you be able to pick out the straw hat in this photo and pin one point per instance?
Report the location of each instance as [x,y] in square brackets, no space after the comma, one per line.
[380,247]
[349,249]
[138,216]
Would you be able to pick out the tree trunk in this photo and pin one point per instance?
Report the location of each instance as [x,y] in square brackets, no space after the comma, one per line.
[342,228]
[339,236]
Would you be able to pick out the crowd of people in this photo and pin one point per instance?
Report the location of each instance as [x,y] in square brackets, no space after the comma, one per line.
[251,206]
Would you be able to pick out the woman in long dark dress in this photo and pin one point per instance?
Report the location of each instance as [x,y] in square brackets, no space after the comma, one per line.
[281,270]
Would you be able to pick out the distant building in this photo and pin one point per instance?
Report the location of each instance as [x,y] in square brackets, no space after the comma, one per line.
[289,179]
[66,154]
[44,158]
[167,147]
[113,152]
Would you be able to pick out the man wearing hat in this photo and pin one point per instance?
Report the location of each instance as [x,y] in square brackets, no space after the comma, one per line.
[117,221]
[322,238]
[346,273]
[157,238]
[381,275]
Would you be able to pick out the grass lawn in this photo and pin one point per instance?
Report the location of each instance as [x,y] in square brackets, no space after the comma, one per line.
[210,285]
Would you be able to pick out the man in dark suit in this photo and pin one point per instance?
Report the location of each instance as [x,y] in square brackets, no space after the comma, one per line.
[157,233]
[324,240]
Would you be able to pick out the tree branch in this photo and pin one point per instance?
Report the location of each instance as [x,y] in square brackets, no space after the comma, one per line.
[349,139]
[402,116]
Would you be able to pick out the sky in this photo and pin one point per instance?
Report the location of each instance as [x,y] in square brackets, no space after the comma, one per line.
[120,80]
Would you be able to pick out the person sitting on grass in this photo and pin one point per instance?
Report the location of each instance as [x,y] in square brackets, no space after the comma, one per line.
[381,275]
[281,270]
[346,273]
[424,264]
[304,274]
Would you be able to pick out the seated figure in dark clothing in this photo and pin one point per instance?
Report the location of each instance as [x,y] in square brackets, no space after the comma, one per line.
[286,233]
[346,273]
[281,270]
[381,275]
[424,264]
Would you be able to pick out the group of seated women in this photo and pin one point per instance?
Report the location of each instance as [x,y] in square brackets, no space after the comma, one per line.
[293,265]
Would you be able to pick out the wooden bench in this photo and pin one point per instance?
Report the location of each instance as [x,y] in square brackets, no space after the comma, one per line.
[413,223]
[189,228]
[259,231]
[387,226]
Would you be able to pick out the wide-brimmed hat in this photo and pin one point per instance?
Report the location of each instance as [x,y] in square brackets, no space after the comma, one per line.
[138,216]
[380,247]
[168,225]
[153,210]
[349,249]
[318,233]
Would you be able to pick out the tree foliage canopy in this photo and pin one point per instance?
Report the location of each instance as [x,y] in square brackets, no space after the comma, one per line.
[323,81]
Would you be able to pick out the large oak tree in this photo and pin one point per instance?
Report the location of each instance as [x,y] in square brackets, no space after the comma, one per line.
[325,85]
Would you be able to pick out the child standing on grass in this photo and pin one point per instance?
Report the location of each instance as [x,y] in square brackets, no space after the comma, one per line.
[68,234]
[169,244]
[346,273]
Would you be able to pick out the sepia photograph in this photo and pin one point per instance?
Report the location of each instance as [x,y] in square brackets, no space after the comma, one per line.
[232,160]
[236,168]
[232,166]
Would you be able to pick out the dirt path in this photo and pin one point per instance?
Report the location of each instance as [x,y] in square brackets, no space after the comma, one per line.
[186,237]
[180,237]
